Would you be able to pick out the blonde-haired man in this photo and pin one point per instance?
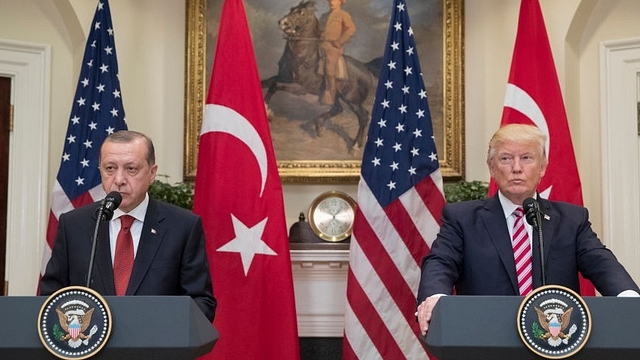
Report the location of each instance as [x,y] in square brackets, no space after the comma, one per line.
[473,251]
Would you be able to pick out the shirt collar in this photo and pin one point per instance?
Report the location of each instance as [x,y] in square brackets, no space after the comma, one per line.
[138,212]
[507,206]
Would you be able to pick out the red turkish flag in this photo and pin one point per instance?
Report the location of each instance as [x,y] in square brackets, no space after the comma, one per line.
[533,96]
[239,196]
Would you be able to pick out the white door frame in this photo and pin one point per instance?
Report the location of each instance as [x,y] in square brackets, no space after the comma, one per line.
[619,69]
[29,67]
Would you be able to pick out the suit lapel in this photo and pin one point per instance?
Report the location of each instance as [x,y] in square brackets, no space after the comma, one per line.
[150,240]
[497,231]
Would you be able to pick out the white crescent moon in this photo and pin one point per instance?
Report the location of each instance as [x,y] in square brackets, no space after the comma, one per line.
[218,118]
[518,99]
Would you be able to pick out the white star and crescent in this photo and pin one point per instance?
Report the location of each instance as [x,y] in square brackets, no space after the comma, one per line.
[248,240]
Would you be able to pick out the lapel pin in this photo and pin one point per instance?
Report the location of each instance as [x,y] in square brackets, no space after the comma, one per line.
[153,231]
[547,217]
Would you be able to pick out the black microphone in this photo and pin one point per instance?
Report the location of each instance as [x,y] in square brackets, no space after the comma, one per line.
[534,218]
[105,213]
[109,204]
[531,209]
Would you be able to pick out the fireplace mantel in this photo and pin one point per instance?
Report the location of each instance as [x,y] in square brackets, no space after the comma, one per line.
[320,283]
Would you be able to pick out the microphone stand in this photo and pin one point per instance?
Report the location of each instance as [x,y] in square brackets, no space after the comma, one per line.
[540,242]
[94,243]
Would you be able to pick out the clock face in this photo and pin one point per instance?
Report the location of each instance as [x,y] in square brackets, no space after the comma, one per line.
[331,216]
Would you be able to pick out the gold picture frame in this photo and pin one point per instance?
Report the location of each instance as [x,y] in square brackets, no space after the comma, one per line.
[450,140]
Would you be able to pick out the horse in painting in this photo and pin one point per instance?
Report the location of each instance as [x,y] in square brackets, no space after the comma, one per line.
[299,65]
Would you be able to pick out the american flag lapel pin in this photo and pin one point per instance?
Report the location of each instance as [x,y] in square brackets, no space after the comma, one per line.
[153,231]
[547,217]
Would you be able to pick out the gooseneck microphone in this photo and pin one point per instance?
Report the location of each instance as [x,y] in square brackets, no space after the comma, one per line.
[105,213]
[533,215]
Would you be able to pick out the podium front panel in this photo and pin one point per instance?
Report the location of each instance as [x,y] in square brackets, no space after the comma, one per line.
[484,327]
[144,327]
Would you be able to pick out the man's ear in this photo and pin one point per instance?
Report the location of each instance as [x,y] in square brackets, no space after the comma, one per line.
[490,166]
[153,170]
[544,170]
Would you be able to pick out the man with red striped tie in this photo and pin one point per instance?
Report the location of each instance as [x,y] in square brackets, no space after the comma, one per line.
[485,247]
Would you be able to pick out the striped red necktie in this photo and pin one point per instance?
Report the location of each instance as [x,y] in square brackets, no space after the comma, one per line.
[522,253]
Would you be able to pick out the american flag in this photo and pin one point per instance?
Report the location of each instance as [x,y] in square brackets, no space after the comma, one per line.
[400,200]
[97,111]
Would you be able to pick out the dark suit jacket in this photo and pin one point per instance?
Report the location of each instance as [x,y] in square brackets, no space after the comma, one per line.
[473,252]
[171,257]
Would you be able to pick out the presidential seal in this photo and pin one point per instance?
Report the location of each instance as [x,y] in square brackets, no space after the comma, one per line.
[554,322]
[74,323]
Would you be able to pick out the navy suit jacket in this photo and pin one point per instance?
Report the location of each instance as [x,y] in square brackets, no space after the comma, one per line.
[170,260]
[473,252]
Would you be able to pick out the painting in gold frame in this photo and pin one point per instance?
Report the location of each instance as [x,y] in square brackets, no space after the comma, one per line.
[444,81]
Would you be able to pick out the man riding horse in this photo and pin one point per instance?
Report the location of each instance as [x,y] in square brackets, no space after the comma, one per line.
[300,64]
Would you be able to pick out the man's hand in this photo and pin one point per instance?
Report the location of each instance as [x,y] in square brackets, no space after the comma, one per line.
[424,312]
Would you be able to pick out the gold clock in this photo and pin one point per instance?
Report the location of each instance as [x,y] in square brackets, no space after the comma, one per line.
[331,216]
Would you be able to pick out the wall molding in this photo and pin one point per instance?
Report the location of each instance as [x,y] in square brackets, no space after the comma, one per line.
[320,285]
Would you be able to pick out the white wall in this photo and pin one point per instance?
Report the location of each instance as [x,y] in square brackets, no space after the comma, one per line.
[150,45]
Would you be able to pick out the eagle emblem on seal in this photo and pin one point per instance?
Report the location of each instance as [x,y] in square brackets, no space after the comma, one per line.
[554,321]
[74,323]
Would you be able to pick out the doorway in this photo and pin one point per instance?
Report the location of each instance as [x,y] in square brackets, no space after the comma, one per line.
[28,66]
[5,127]
[619,77]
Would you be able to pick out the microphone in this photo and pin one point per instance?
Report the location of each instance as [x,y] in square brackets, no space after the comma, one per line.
[534,218]
[109,204]
[531,210]
[105,213]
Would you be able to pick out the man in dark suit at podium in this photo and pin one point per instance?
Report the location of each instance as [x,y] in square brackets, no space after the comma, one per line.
[484,247]
[148,248]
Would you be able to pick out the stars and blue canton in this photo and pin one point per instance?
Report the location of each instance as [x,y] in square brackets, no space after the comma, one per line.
[400,149]
[97,108]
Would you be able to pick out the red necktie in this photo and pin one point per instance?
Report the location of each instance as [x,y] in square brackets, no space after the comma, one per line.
[123,260]
[522,254]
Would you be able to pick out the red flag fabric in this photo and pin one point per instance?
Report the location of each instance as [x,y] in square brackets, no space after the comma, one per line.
[400,201]
[533,96]
[97,112]
[238,194]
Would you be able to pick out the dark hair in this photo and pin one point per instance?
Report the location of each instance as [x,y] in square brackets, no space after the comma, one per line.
[127,136]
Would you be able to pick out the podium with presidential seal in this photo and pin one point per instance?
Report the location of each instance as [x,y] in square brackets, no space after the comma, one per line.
[78,323]
[552,322]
